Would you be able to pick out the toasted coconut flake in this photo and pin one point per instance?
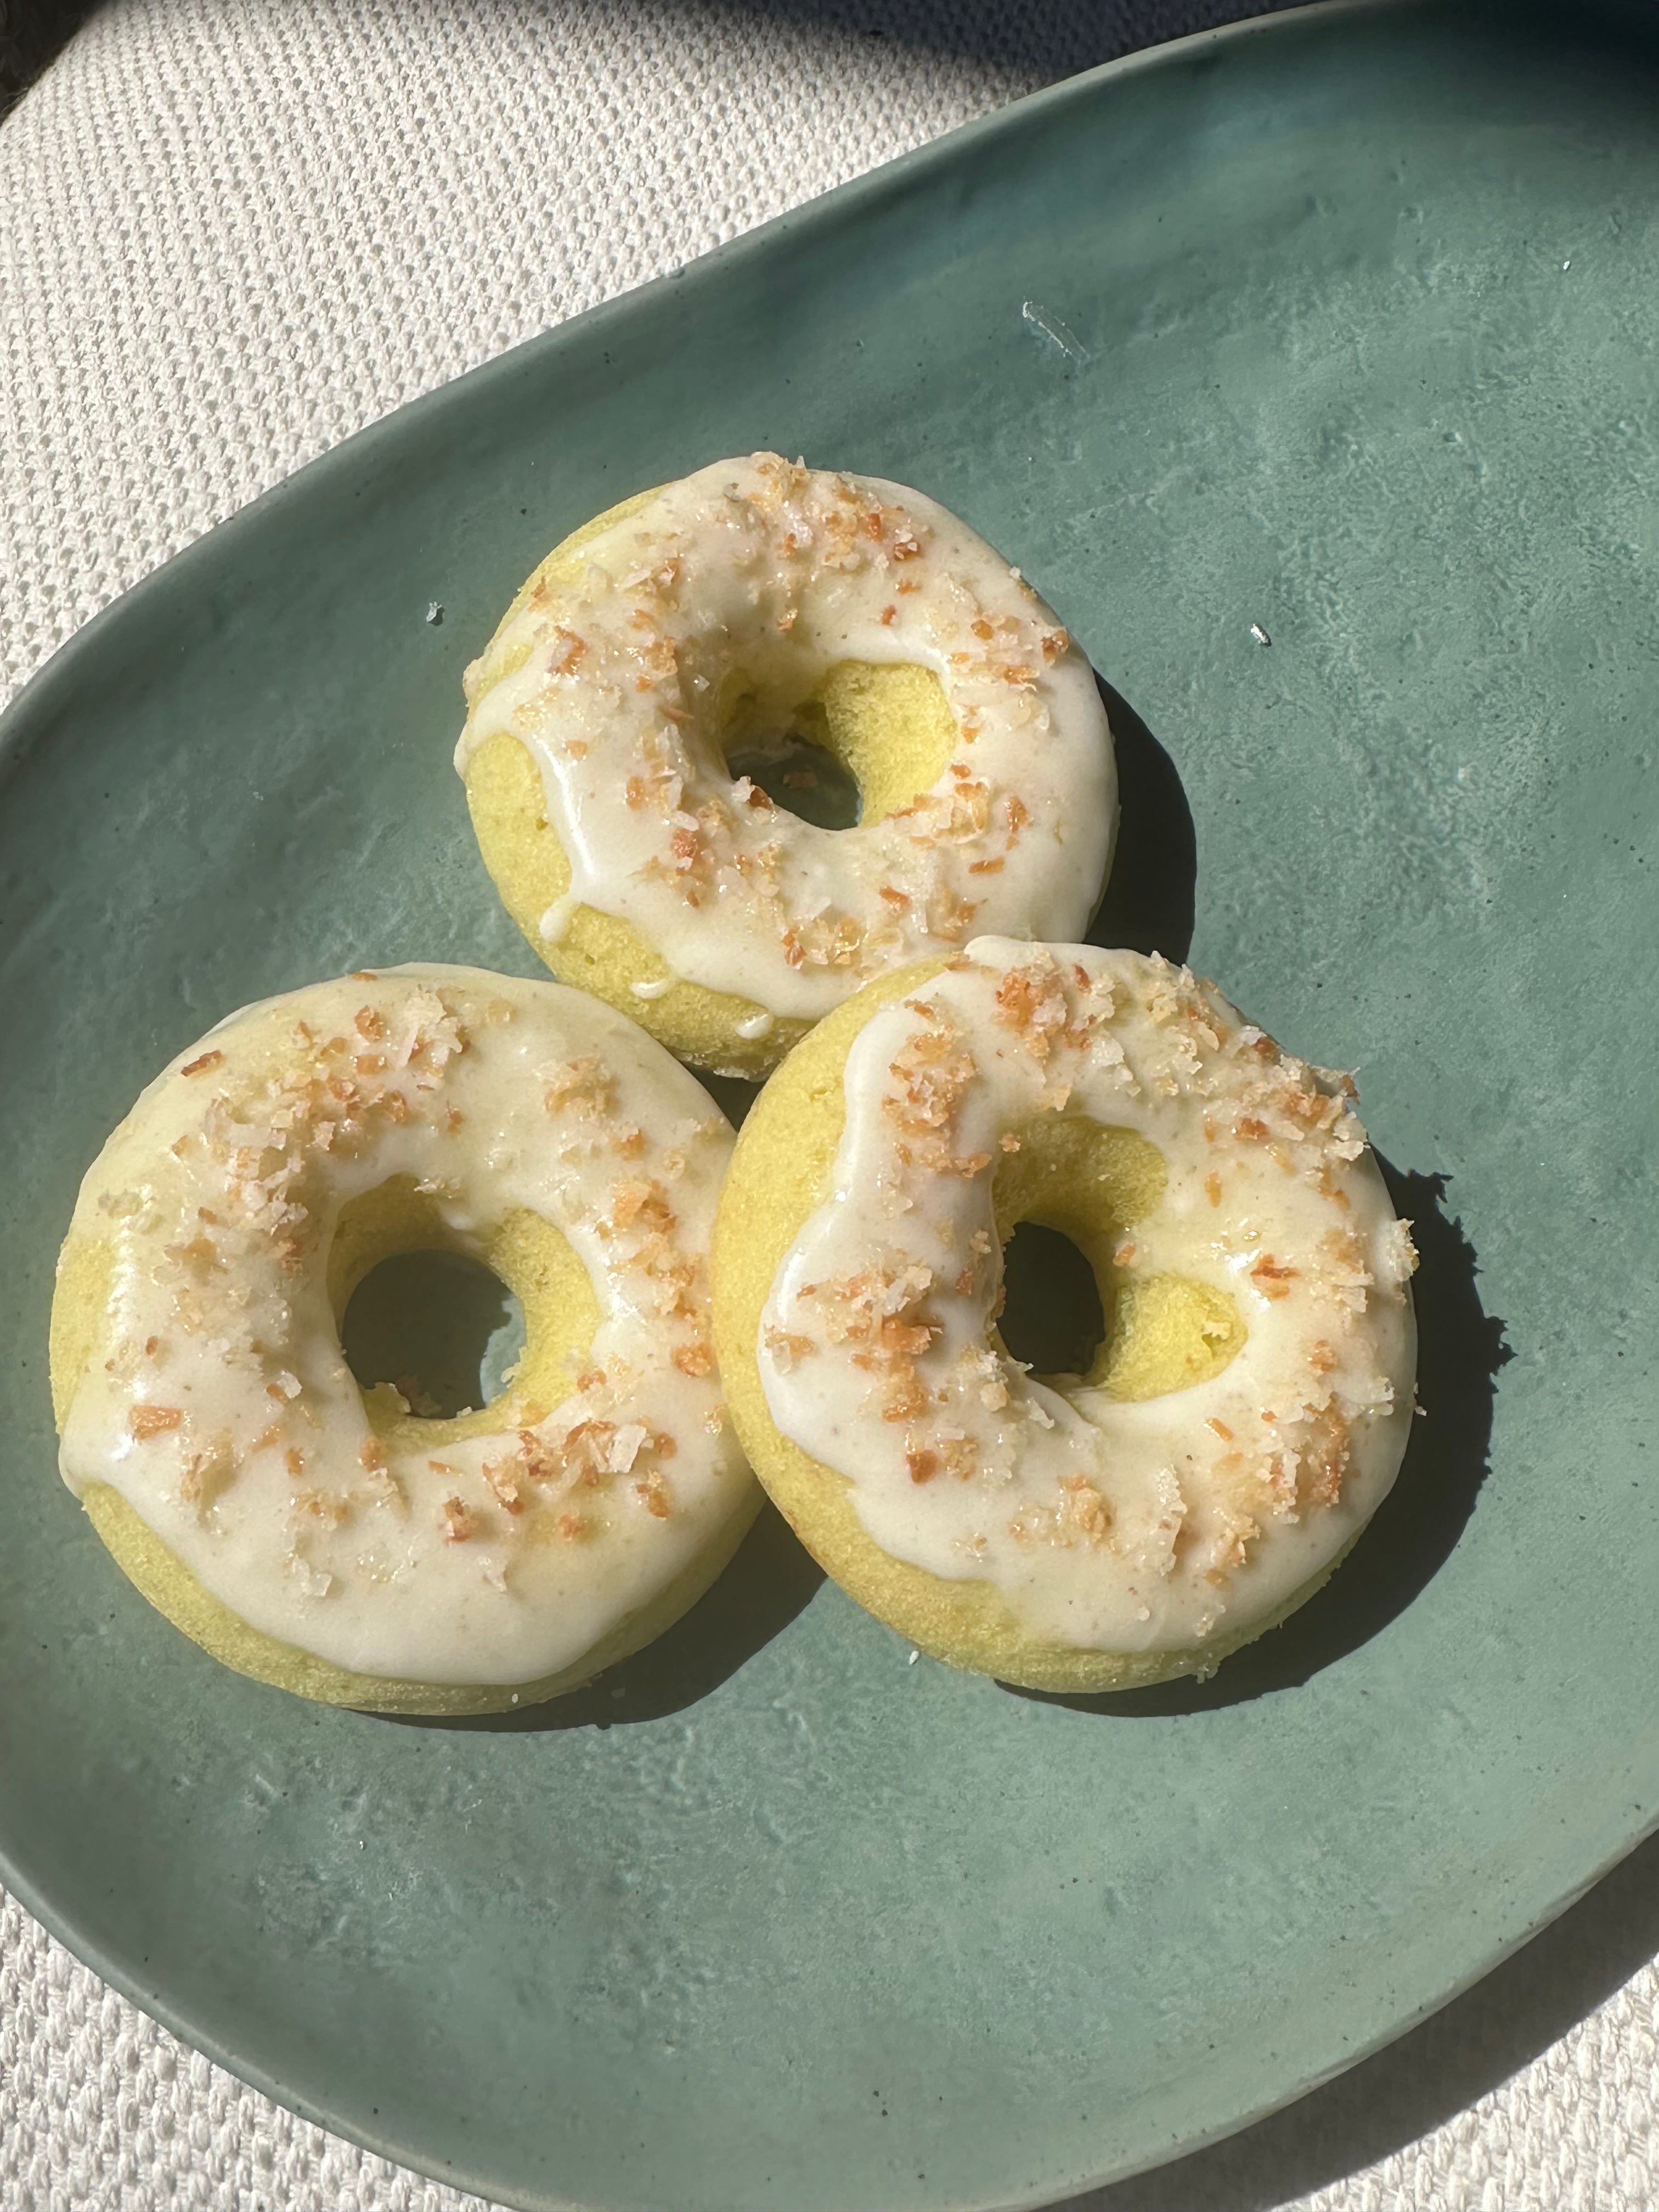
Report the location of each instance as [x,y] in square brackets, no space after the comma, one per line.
[785,1347]
[1272,1277]
[146,1421]
[654,1494]
[459,1523]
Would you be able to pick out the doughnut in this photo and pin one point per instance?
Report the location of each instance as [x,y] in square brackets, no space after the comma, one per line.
[341,1543]
[1248,1405]
[699,625]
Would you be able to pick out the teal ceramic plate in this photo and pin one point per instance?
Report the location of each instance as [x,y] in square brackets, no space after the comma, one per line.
[1337,333]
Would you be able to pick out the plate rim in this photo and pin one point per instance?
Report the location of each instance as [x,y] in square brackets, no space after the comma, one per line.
[26,721]
[35,692]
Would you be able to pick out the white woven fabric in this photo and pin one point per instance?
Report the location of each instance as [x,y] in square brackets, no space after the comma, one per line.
[232,231]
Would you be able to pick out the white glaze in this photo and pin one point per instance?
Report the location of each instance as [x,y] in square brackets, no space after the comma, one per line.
[1109,1526]
[516,1555]
[781,572]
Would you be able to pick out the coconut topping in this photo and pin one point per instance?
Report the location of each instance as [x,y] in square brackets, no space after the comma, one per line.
[217,1400]
[762,575]
[1105,1522]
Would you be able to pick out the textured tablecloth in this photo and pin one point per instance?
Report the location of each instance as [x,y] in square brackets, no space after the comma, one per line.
[230,234]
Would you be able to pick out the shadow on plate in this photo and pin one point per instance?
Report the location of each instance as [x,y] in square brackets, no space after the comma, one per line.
[733,1094]
[1150,901]
[1460,1349]
[767,1585]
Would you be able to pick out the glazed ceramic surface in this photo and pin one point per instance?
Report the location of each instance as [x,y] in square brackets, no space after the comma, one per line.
[1309,371]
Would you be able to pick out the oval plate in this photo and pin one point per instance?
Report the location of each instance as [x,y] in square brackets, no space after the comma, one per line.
[1342,327]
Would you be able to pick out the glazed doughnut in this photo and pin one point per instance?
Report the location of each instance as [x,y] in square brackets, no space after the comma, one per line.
[1249,1406]
[751,599]
[330,1539]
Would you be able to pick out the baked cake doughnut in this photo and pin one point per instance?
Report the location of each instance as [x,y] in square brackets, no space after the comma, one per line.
[709,619]
[1249,1407]
[328,1539]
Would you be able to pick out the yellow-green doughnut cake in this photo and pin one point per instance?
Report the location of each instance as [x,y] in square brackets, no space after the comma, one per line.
[622,721]
[1248,1404]
[344,1543]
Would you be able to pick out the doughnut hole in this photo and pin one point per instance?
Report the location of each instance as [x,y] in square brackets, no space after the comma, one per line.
[801,773]
[405,1287]
[868,738]
[1087,1185]
[440,1326]
[1052,1320]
